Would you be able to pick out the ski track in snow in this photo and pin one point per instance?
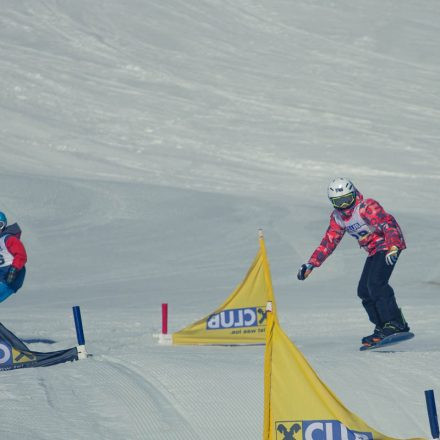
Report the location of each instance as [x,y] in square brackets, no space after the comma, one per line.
[144,143]
[141,403]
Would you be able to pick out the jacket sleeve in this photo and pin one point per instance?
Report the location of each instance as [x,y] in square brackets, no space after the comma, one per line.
[331,239]
[376,217]
[16,248]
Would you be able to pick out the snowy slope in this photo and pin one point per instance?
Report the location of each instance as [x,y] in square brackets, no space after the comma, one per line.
[142,145]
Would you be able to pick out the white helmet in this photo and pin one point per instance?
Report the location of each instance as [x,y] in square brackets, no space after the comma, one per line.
[342,193]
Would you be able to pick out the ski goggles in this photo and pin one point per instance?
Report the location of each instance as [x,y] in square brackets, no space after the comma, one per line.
[343,202]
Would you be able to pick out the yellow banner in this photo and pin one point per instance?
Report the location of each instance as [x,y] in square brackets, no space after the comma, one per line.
[241,319]
[297,404]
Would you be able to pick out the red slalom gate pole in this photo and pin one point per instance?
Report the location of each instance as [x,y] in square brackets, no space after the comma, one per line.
[164,318]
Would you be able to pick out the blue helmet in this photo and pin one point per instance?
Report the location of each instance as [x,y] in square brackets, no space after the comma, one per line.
[3,221]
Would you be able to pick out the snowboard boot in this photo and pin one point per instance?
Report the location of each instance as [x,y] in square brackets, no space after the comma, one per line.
[390,328]
[369,340]
[398,325]
[402,321]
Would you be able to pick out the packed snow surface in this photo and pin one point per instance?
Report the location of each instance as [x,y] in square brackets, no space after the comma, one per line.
[143,143]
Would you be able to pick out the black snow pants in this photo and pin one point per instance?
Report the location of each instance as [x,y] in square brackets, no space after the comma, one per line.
[376,294]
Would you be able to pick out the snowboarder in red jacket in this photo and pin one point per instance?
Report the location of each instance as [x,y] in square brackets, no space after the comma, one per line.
[12,258]
[379,234]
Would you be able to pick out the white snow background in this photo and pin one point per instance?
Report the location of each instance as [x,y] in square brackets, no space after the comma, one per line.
[142,145]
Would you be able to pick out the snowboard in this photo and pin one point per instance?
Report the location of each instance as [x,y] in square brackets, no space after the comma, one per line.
[389,340]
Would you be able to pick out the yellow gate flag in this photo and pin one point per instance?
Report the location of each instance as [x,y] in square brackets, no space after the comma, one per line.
[297,404]
[241,319]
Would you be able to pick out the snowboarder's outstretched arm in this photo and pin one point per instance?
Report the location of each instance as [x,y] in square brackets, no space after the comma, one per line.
[331,239]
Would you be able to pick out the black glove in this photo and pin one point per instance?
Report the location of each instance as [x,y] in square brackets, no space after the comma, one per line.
[304,271]
[12,274]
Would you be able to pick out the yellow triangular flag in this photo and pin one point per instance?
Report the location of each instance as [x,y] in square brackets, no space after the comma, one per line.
[20,356]
[297,404]
[241,319]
